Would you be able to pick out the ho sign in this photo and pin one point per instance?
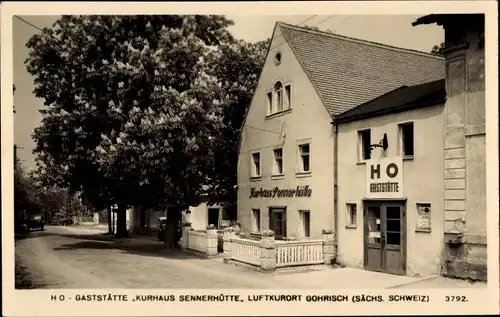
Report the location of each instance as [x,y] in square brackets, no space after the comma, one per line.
[384,178]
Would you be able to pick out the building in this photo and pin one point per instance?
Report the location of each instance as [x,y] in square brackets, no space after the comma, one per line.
[464,142]
[286,175]
[390,184]
[146,221]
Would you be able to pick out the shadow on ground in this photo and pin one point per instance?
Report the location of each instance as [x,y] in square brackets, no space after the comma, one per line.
[146,248]
[32,234]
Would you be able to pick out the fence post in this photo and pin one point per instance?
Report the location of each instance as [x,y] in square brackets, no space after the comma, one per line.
[228,245]
[186,227]
[211,243]
[268,252]
[328,246]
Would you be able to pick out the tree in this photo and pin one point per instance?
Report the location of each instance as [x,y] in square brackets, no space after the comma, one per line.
[131,110]
[237,66]
[438,49]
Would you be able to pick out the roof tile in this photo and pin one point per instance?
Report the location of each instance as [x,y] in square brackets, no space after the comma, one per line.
[404,97]
[347,72]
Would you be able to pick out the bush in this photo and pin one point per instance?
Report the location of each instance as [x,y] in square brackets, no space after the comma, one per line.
[220,242]
[268,233]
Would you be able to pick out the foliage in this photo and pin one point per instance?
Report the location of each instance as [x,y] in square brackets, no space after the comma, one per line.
[438,49]
[268,233]
[220,243]
[26,202]
[132,111]
[30,198]
[237,66]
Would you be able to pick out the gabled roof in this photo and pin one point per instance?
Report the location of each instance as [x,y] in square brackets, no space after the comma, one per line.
[401,99]
[347,72]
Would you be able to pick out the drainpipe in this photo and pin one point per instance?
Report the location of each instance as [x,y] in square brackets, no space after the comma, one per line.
[335,188]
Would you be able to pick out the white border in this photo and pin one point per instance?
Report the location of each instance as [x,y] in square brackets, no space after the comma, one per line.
[34,302]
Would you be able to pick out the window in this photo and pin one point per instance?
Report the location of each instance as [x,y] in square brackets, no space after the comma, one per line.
[278,159]
[255,220]
[277,221]
[278,90]
[305,223]
[423,217]
[279,99]
[406,139]
[288,93]
[352,214]
[277,59]
[364,145]
[304,158]
[270,102]
[256,165]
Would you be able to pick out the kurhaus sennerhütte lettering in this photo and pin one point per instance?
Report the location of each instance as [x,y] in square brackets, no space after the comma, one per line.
[300,191]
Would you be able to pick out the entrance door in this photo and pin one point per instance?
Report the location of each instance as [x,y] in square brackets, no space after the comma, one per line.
[277,222]
[385,245]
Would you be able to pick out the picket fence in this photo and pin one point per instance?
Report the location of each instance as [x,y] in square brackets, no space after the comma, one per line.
[197,241]
[295,253]
[288,253]
[246,251]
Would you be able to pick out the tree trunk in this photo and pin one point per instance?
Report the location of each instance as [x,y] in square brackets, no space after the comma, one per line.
[172,236]
[121,223]
[110,221]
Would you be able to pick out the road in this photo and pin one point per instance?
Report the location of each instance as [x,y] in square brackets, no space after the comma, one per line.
[75,258]
[59,258]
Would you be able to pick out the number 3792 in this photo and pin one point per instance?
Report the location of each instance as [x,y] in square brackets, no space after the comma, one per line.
[456,299]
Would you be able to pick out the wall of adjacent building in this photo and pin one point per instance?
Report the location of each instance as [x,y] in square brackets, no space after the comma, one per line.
[422,183]
[465,152]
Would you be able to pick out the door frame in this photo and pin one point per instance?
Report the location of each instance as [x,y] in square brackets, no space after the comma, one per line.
[270,210]
[382,203]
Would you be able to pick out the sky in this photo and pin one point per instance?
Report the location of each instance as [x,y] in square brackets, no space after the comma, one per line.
[380,28]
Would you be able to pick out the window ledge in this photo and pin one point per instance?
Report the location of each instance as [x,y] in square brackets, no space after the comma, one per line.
[423,230]
[255,178]
[361,163]
[279,114]
[303,174]
[407,157]
[278,176]
[351,226]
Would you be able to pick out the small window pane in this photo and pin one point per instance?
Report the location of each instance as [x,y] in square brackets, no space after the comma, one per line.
[393,225]
[365,144]
[352,214]
[407,139]
[288,91]
[393,238]
[256,162]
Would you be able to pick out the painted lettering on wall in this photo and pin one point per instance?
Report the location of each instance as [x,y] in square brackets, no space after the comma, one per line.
[276,192]
[385,178]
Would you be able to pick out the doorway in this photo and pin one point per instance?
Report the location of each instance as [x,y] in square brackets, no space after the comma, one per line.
[213,217]
[385,237]
[277,221]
